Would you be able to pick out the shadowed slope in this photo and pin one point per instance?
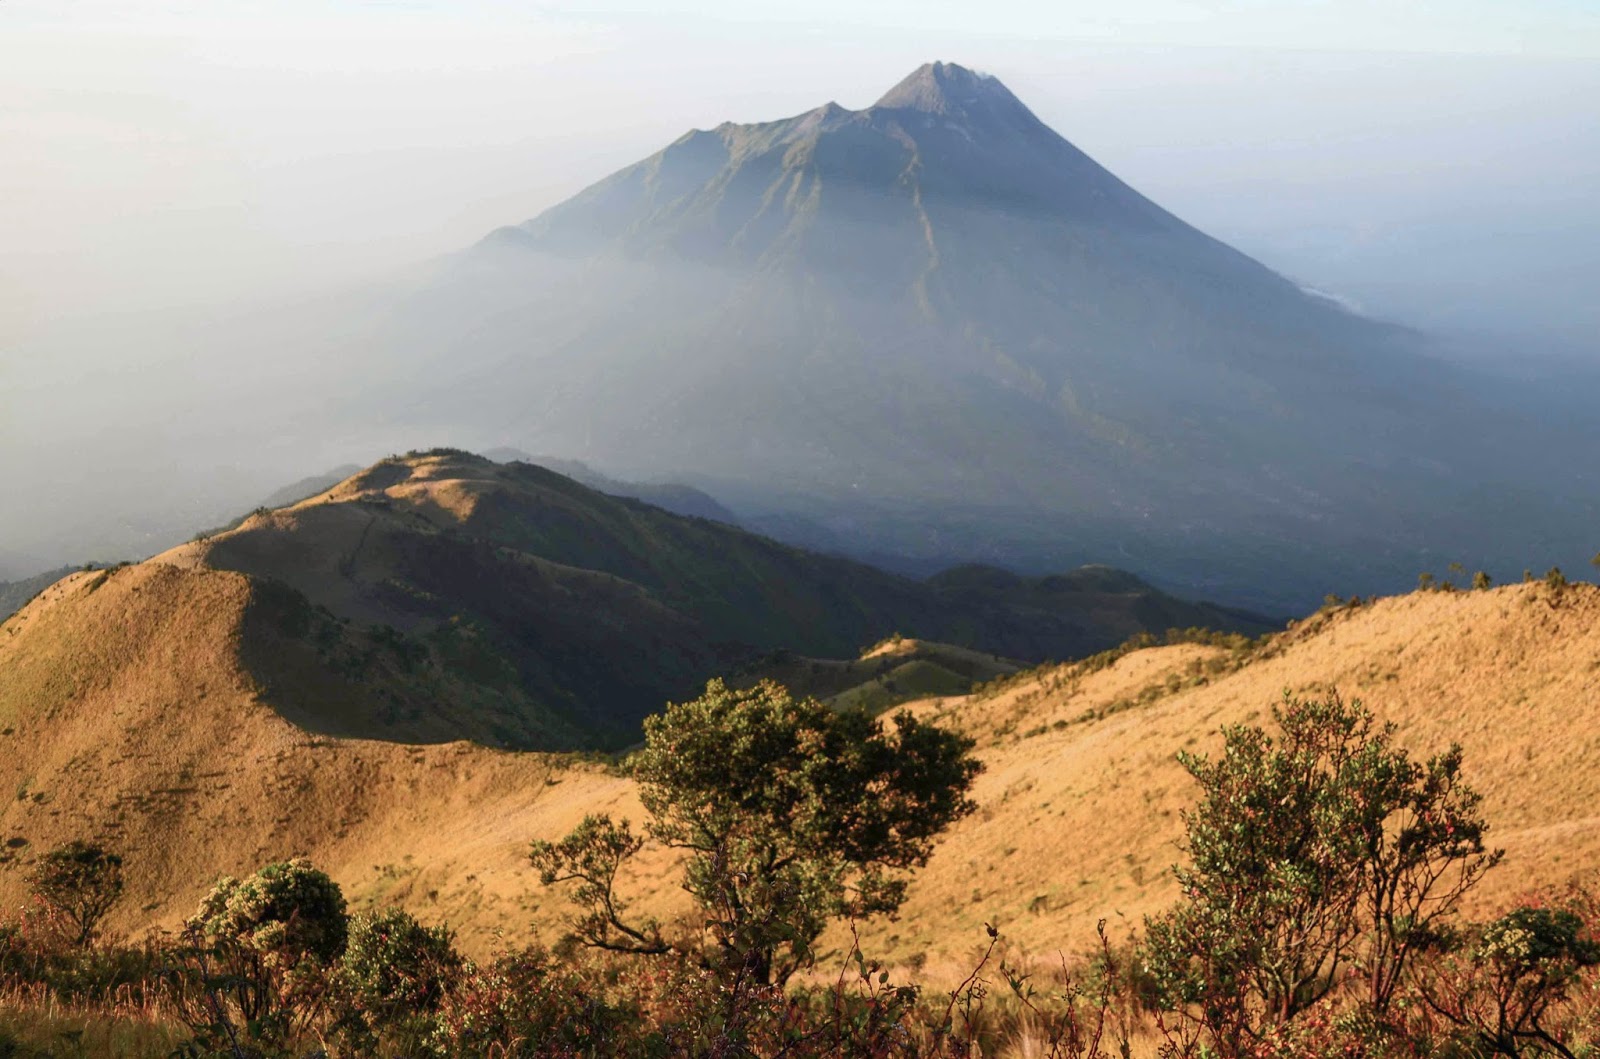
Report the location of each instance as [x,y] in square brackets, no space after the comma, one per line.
[511,605]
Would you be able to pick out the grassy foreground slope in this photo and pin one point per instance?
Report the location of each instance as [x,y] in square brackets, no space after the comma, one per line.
[160,744]
[127,717]
[1080,805]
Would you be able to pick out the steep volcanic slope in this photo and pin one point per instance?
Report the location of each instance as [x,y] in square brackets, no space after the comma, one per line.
[934,327]
[114,727]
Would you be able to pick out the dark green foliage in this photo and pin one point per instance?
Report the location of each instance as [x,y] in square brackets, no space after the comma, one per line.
[259,956]
[1322,851]
[591,856]
[82,882]
[526,1004]
[1506,984]
[393,977]
[793,814]
[288,909]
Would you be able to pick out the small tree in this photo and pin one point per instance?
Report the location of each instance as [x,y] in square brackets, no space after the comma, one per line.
[792,813]
[1508,982]
[81,882]
[1325,850]
[1422,835]
[263,948]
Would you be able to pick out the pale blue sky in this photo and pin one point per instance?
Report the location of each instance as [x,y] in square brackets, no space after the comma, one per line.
[1523,27]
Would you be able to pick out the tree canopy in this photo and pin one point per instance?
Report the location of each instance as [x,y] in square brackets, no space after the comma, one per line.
[792,814]
[1323,852]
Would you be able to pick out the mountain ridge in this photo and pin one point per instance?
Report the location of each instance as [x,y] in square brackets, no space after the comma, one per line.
[442,596]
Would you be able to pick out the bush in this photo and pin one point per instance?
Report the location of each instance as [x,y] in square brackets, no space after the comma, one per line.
[260,952]
[394,975]
[80,881]
[1507,985]
[525,1005]
[1312,855]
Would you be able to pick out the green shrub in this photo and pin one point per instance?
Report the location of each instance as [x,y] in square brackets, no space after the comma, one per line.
[1507,987]
[1320,853]
[394,975]
[259,956]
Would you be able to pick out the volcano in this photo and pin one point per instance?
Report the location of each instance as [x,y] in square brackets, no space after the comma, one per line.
[936,330]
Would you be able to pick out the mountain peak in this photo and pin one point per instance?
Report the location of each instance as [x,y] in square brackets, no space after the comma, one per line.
[947,88]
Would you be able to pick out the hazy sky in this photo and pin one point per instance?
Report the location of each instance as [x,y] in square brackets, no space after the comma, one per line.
[162,164]
[171,153]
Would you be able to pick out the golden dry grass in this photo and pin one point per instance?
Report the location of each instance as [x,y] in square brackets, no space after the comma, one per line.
[128,717]
[1081,822]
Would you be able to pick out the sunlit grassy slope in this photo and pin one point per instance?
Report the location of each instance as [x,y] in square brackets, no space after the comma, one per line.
[895,671]
[128,716]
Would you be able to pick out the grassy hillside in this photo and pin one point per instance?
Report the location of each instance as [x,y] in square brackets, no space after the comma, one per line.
[163,745]
[892,672]
[14,594]
[1080,804]
[447,596]
[152,736]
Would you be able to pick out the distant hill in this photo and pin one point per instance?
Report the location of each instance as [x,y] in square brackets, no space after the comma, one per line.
[306,488]
[669,496]
[152,735]
[14,594]
[895,671]
[444,596]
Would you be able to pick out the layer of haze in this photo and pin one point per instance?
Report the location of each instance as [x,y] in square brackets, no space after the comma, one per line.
[1432,162]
